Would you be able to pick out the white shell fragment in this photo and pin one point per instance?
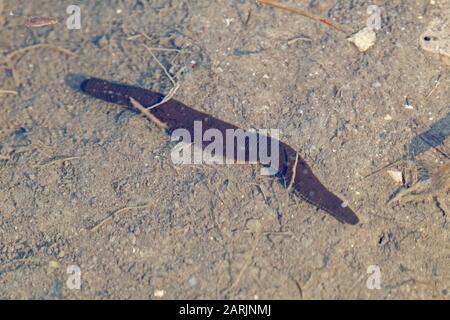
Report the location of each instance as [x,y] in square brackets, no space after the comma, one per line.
[396,175]
[363,39]
[436,39]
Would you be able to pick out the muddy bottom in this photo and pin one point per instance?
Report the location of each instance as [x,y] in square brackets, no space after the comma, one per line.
[68,161]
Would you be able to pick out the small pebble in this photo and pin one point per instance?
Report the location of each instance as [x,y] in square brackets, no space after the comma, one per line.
[396,175]
[364,39]
[193,281]
[159,293]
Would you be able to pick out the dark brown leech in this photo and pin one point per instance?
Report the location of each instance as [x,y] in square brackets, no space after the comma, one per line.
[293,171]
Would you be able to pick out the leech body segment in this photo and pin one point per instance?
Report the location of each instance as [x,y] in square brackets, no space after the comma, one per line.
[293,172]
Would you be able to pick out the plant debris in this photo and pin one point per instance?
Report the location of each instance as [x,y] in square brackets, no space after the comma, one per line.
[40,21]
[305,13]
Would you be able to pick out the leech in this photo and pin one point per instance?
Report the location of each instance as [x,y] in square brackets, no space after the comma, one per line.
[173,115]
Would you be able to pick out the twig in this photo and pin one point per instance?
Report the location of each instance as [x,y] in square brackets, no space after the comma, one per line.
[115,213]
[9,57]
[136,36]
[2,7]
[142,34]
[164,49]
[57,160]
[438,82]
[299,39]
[4,158]
[305,13]
[249,15]
[384,167]
[5,92]
[294,173]
[9,63]
[136,104]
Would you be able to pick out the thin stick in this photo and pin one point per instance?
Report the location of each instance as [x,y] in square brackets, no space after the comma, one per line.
[4,158]
[294,173]
[5,92]
[384,167]
[164,49]
[58,160]
[115,213]
[299,39]
[249,15]
[438,82]
[9,57]
[137,36]
[304,13]
[147,113]
[2,6]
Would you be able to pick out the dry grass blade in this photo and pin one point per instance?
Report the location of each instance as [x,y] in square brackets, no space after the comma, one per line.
[2,7]
[161,65]
[9,57]
[294,173]
[147,113]
[6,92]
[115,213]
[305,13]
[58,160]
[143,35]
[175,84]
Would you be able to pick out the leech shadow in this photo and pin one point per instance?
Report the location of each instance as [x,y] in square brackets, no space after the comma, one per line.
[74,80]
[431,138]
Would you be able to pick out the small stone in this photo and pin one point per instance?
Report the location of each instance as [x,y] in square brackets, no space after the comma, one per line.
[376,84]
[193,281]
[388,117]
[396,175]
[159,293]
[363,39]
